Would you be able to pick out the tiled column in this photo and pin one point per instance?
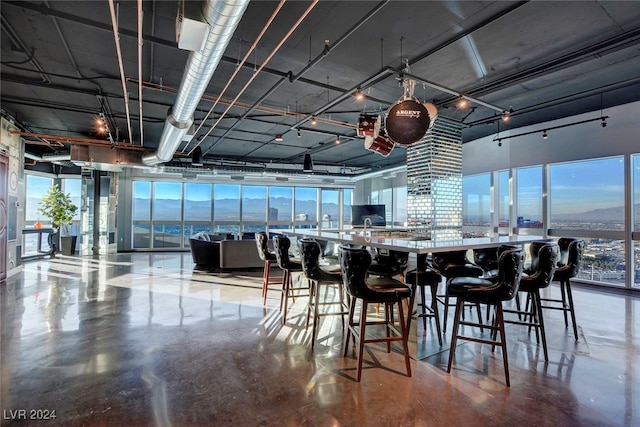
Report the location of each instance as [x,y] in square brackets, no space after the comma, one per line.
[434,182]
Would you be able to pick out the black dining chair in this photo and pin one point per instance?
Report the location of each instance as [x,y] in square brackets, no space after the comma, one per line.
[421,277]
[390,292]
[571,251]
[269,258]
[281,246]
[454,264]
[310,256]
[544,257]
[483,291]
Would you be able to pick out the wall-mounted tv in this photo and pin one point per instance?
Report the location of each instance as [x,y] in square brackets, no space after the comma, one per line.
[375,212]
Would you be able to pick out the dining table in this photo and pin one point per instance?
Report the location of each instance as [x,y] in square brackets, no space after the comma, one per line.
[417,243]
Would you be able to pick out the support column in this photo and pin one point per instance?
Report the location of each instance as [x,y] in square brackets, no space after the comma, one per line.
[434,182]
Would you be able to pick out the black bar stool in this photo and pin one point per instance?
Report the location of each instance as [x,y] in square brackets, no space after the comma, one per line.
[571,251]
[281,245]
[451,265]
[420,278]
[544,257]
[483,291]
[369,290]
[310,254]
[269,258]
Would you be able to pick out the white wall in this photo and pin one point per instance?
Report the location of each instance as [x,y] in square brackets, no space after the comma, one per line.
[579,142]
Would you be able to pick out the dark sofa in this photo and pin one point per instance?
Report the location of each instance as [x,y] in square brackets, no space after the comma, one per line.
[205,249]
[221,251]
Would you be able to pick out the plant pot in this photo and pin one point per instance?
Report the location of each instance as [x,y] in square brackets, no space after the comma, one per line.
[68,245]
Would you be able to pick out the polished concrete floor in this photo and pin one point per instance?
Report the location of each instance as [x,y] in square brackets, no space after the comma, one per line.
[144,339]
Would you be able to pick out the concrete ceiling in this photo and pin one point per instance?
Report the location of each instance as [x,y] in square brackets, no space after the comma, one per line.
[541,60]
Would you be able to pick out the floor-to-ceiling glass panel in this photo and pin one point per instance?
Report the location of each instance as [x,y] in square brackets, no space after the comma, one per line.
[167,215]
[73,187]
[197,208]
[254,210]
[329,208]
[635,176]
[36,188]
[476,205]
[400,206]
[504,202]
[226,208]
[588,195]
[603,261]
[529,198]
[347,197]
[141,215]
[280,204]
[306,206]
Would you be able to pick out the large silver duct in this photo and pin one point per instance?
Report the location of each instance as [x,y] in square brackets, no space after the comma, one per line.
[223,17]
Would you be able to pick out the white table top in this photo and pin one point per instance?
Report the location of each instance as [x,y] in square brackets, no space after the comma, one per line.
[410,245]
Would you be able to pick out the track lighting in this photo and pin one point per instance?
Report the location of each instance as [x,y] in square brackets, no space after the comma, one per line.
[299,133]
[462,103]
[544,135]
[604,122]
[314,121]
[359,95]
[338,139]
[506,116]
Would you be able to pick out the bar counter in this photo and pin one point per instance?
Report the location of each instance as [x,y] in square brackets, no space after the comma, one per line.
[412,244]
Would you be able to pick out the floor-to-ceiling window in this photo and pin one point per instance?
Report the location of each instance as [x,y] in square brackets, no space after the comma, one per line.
[141,215]
[197,208]
[36,188]
[503,194]
[226,208]
[165,214]
[254,206]
[476,205]
[280,207]
[329,208]
[306,207]
[347,200]
[529,200]
[587,200]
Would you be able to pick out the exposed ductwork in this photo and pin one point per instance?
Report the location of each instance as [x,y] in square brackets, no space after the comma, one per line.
[223,17]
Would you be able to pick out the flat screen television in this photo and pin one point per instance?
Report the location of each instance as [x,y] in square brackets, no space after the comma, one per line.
[375,212]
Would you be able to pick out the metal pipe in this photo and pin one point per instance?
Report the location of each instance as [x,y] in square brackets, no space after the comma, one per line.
[239,67]
[140,15]
[259,70]
[116,36]
[223,18]
[325,52]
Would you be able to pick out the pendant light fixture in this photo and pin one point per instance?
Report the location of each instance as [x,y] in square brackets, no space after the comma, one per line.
[307,165]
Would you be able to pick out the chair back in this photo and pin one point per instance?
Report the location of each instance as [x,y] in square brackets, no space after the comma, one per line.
[281,245]
[571,251]
[510,266]
[261,243]
[354,263]
[442,260]
[395,262]
[310,252]
[486,258]
[544,256]
[508,281]
[455,264]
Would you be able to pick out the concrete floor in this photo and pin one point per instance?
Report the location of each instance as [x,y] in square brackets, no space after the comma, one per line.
[144,339]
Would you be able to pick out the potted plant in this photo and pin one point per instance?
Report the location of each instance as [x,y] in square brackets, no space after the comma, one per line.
[59,207]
